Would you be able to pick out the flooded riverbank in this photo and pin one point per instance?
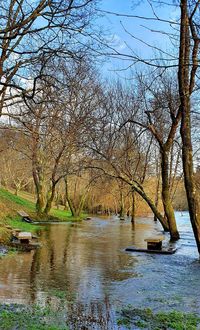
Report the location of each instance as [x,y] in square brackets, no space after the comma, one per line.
[85,263]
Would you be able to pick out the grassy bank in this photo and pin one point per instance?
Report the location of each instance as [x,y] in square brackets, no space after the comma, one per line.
[10,204]
[30,318]
[47,318]
[134,318]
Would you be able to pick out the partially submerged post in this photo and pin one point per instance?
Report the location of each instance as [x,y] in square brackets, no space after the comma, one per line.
[154,243]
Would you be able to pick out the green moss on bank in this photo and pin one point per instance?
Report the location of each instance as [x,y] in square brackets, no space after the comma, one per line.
[16,222]
[45,318]
[146,319]
[61,214]
[32,318]
[65,215]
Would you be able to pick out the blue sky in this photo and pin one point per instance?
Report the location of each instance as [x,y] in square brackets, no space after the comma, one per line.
[123,40]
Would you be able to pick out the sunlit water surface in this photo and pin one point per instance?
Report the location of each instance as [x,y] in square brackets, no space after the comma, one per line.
[87,263]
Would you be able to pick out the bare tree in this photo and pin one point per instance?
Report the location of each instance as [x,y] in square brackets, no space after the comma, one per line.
[185,36]
[188,66]
[32,33]
[117,148]
[55,122]
[77,188]
[15,166]
[160,114]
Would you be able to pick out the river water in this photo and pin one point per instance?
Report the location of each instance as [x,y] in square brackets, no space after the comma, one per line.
[86,263]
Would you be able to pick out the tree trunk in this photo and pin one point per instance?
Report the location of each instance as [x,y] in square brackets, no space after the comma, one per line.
[81,204]
[192,194]
[71,206]
[133,207]
[38,178]
[168,208]
[76,211]
[121,210]
[67,198]
[40,202]
[16,191]
[152,206]
[40,199]
[73,209]
[50,199]
[186,84]
[57,200]
[157,193]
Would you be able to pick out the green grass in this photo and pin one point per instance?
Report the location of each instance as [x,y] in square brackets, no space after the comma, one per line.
[16,203]
[65,215]
[61,214]
[32,318]
[6,195]
[16,222]
[145,318]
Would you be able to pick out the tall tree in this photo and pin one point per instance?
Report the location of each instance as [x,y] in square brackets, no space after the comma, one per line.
[185,36]
[160,114]
[118,149]
[187,69]
[32,32]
